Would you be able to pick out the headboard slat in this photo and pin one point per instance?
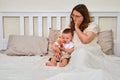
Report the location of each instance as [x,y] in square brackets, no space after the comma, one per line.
[22,25]
[96,20]
[49,24]
[67,20]
[58,21]
[30,25]
[39,25]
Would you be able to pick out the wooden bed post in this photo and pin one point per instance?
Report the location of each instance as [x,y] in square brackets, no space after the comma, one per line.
[117,42]
[1,32]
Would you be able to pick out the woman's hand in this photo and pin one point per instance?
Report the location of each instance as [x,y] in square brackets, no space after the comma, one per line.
[77,25]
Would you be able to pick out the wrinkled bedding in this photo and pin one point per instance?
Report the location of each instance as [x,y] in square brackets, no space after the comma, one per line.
[26,68]
[33,68]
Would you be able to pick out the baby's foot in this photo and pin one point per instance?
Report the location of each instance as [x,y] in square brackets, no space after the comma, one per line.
[50,64]
[63,63]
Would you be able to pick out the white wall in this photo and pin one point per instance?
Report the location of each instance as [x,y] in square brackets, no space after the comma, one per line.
[57,5]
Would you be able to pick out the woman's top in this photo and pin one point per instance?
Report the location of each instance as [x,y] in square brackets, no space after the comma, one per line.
[92,27]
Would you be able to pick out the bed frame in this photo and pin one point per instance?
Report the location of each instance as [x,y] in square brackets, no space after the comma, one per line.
[57,16]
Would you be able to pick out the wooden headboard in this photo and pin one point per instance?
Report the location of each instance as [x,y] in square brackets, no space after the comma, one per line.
[39,23]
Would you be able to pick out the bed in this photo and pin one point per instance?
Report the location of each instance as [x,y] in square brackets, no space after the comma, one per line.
[26,37]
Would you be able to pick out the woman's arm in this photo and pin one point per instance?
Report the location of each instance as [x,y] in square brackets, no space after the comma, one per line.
[85,37]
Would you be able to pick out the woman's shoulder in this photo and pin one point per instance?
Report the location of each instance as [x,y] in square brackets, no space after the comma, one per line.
[92,27]
[92,24]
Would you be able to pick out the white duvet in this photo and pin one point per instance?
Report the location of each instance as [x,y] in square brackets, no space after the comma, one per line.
[33,68]
[109,69]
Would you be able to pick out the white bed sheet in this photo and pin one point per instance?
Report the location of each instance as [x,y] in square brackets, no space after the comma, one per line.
[26,68]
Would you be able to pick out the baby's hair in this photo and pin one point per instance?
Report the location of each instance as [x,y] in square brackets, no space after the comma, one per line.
[68,30]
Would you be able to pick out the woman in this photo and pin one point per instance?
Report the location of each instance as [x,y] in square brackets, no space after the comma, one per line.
[88,62]
[85,34]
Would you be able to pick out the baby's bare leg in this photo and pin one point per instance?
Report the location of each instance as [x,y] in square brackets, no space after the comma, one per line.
[52,62]
[63,62]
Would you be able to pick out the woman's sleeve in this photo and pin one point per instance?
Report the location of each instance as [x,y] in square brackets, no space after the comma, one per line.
[92,27]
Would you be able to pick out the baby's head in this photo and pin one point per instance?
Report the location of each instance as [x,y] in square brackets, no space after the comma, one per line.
[67,35]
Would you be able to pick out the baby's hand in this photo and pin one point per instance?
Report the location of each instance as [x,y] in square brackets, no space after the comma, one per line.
[60,40]
[62,48]
[58,55]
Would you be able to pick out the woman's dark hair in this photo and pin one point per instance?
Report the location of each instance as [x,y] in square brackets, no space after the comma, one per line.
[82,9]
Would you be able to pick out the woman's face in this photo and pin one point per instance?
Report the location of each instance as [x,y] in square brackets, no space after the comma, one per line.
[77,17]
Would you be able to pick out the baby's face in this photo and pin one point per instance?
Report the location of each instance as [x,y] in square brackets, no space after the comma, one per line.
[67,37]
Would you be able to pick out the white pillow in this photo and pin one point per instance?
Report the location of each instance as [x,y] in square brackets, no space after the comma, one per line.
[53,35]
[26,45]
[105,40]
